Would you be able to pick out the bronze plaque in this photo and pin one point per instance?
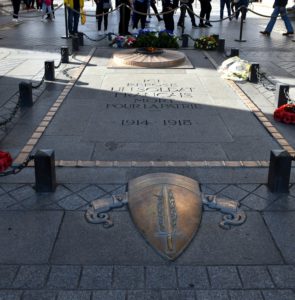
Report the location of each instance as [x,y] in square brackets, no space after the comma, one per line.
[167,210]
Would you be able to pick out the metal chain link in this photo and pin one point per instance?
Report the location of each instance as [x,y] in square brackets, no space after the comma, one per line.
[12,115]
[266,82]
[287,95]
[39,84]
[95,40]
[59,64]
[14,169]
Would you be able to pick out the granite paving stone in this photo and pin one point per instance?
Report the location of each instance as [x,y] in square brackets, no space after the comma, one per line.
[64,277]
[96,277]
[178,295]
[283,276]
[7,274]
[224,277]
[144,295]
[10,295]
[18,242]
[255,202]
[39,295]
[264,192]
[255,277]
[22,193]
[8,187]
[233,192]
[160,277]
[6,201]
[75,187]
[281,226]
[109,295]
[31,277]
[192,277]
[212,295]
[72,202]
[246,295]
[278,294]
[74,295]
[91,193]
[283,203]
[248,187]
[128,277]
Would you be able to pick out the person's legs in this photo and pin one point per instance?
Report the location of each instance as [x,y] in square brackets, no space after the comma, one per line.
[202,13]
[222,3]
[190,11]
[154,7]
[99,18]
[169,21]
[16,5]
[286,20]
[208,12]
[227,3]
[182,16]
[105,19]
[273,19]
[76,21]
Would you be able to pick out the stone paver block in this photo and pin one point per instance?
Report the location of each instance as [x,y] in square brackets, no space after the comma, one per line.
[283,276]
[248,187]
[31,277]
[224,277]
[64,277]
[212,295]
[160,277]
[7,274]
[91,193]
[246,295]
[128,277]
[74,295]
[192,277]
[75,187]
[283,203]
[30,243]
[281,226]
[278,294]
[72,202]
[23,193]
[255,202]
[144,295]
[234,192]
[39,295]
[96,277]
[265,193]
[109,295]
[255,277]
[178,294]
[6,201]
[10,295]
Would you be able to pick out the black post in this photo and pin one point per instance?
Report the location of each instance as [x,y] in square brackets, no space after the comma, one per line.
[49,70]
[280,95]
[66,23]
[81,38]
[243,11]
[253,76]
[234,52]
[279,171]
[184,40]
[64,51]
[216,36]
[45,178]
[25,94]
[221,45]
[75,43]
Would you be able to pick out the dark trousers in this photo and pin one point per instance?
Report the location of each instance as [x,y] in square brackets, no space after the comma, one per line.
[183,10]
[124,20]
[154,7]
[168,20]
[222,4]
[16,5]
[205,11]
[142,7]
[73,21]
[104,17]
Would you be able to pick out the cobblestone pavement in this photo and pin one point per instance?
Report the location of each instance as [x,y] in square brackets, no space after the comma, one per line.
[49,251]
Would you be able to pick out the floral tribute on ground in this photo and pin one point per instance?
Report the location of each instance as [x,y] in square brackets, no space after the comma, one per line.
[206,43]
[285,113]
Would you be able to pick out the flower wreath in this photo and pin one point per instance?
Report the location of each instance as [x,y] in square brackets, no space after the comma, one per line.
[285,113]
[206,43]
[5,161]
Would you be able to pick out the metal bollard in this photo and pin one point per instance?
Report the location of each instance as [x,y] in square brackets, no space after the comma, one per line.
[75,43]
[81,38]
[25,94]
[49,70]
[234,52]
[279,171]
[45,178]
[64,51]
[253,76]
[184,38]
[221,45]
[280,94]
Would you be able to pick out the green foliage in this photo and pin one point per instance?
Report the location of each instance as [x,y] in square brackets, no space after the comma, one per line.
[155,39]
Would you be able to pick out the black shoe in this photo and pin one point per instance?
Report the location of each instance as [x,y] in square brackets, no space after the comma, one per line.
[203,25]
[288,33]
[208,24]
[265,33]
[195,26]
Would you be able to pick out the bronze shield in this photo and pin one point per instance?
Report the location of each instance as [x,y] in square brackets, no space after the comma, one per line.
[167,210]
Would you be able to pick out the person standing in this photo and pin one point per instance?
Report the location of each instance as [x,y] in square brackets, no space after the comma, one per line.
[205,13]
[168,13]
[186,5]
[279,9]
[16,6]
[73,7]
[142,7]
[46,8]
[241,5]
[102,9]
[124,17]
[227,4]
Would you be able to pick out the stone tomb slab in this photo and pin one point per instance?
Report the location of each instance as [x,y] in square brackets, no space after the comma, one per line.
[28,237]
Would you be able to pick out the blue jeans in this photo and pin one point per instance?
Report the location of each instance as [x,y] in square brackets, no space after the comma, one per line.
[73,21]
[279,11]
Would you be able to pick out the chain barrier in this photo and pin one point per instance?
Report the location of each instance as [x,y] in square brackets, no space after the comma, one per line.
[95,40]
[59,64]
[12,114]
[39,84]
[287,95]
[15,169]
[266,82]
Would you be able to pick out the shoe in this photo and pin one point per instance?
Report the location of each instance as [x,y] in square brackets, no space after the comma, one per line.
[265,33]
[203,25]
[195,26]
[288,33]
[99,32]
[15,20]
[208,24]
[43,20]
